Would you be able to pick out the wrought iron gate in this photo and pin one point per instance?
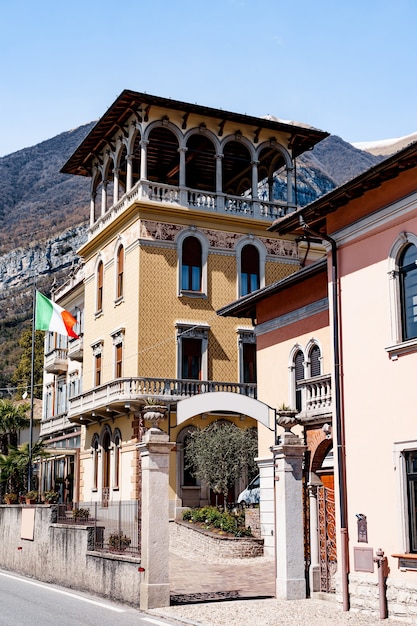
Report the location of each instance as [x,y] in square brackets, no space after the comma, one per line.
[327,539]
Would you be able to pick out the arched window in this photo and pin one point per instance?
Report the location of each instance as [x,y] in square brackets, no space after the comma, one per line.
[105,447]
[94,450]
[120,262]
[298,377]
[116,466]
[249,270]
[191,264]
[408,290]
[100,277]
[315,361]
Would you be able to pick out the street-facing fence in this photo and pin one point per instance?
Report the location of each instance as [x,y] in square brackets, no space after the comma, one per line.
[117,525]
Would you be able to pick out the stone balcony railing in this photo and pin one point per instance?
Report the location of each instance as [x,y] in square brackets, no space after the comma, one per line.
[212,201]
[316,397]
[56,361]
[122,395]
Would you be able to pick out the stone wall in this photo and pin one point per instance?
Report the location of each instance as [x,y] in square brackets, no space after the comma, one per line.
[364,597]
[61,554]
[188,540]
[252,520]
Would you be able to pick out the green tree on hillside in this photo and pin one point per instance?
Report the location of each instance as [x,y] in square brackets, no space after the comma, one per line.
[22,374]
[219,455]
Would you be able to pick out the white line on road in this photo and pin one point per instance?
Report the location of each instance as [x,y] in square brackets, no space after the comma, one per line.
[64,593]
[154,621]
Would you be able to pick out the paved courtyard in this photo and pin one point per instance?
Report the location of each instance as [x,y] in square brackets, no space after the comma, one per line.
[240,592]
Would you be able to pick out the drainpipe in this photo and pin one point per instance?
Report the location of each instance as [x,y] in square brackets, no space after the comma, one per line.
[340,424]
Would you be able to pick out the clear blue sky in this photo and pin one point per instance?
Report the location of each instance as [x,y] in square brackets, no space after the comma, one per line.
[347,67]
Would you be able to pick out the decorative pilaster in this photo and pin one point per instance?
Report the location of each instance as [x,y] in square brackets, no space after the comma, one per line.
[288,459]
[154,451]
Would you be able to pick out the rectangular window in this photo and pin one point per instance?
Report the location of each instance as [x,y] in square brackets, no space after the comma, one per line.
[191,359]
[97,370]
[411,476]
[249,363]
[119,361]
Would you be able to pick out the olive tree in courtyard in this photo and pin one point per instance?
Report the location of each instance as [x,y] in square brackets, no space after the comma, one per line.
[219,454]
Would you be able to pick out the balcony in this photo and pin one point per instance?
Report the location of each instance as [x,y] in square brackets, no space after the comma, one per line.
[316,398]
[124,395]
[56,361]
[207,201]
[55,423]
[76,349]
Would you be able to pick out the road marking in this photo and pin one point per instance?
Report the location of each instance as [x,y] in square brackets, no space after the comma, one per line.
[154,621]
[64,593]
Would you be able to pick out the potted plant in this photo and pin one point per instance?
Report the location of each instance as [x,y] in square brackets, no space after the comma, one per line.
[31,497]
[286,417]
[118,541]
[80,514]
[10,498]
[50,496]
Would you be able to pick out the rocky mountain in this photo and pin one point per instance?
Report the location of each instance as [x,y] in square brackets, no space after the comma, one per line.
[44,217]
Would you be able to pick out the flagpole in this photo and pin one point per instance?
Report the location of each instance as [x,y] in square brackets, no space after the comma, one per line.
[32,386]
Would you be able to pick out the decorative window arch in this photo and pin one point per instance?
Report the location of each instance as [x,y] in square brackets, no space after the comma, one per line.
[314,359]
[192,254]
[403,288]
[297,374]
[251,258]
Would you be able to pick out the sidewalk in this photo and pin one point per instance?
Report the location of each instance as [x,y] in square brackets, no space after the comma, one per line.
[239,592]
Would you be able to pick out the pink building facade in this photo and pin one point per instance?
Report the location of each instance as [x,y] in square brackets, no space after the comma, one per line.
[369,350]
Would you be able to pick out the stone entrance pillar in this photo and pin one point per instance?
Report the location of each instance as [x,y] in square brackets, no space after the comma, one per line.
[290,577]
[154,588]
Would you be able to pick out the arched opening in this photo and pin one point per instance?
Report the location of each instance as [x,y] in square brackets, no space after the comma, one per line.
[200,163]
[191,267]
[163,157]
[136,159]
[105,453]
[249,264]
[236,165]
[273,176]
[122,167]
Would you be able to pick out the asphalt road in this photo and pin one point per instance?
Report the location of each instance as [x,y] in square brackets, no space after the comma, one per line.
[28,602]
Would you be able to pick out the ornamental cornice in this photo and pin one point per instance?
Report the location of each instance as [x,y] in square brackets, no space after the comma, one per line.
[218,239]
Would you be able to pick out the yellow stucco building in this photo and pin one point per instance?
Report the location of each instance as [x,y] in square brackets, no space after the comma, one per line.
[181,199]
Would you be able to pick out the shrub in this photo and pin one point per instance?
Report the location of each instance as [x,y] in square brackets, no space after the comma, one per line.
[212,518]
[119,541]
[81,514]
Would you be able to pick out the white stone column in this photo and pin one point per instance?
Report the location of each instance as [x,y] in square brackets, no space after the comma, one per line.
[144,159]
[154,451]
[103,197]
[92,207]
[289,525]
[255,181]
[116,175]
[129,172]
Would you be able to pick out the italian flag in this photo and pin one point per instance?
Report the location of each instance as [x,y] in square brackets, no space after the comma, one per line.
[50,316]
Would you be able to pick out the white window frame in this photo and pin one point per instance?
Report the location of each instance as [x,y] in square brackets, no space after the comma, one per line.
[400,448]
[193,330]
[399,345]
[262,261]
[192,232]
[245,335]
